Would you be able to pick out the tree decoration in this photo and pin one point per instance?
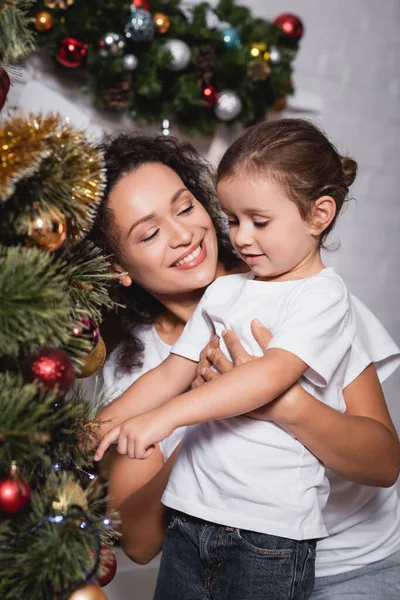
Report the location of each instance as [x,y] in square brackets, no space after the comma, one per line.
[173,51]
[161,23]
[140,26]
[47,230]
[210,95]
[111,44]
[230,37]
[89,591]
[93,361]
[70,494]
[179,54]
[228,106]
[130,62]
[52,367]
[107,566]
[71,52]
[291,26]
[60,4]
[44,21]
[4,86]
[258,70]
[15,492]
[88,329]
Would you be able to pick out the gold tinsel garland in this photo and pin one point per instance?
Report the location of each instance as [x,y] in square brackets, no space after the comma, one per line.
[67,169]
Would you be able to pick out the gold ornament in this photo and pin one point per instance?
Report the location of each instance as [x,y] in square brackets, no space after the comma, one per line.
[70,493]
[47,230]
[61,4]
[259,50]
[26,142]
[279,104]
[258,70]
[90,591]
[161,22]
[93,361]
[43,21]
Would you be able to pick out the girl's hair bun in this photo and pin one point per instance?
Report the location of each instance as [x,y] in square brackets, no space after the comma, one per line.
[349,167]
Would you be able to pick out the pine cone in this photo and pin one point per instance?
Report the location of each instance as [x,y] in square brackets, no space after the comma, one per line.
[204,58]
[119,97]
[258,70]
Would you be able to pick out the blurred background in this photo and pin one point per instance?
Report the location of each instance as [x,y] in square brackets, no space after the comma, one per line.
[347,78]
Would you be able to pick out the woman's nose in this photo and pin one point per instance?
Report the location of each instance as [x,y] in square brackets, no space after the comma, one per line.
[180,235]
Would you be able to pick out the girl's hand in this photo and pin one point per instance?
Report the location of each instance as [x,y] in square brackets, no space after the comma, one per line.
[138,436]
[212,355]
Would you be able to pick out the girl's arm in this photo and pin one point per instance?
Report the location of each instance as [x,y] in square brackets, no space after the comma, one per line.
[159,385]
[360,445]
[135,490]
[225,397]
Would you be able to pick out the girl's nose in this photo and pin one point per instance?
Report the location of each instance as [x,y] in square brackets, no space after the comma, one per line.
[241,237]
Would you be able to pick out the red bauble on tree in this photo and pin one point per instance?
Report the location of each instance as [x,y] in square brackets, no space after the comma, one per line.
[4,86]
[15,493]
[291,26]
[210,95]
[107,566]
[71,53]
[52,367]
[86,327]
[145,4]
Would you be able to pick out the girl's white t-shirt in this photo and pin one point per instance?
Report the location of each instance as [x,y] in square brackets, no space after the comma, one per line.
[363,522]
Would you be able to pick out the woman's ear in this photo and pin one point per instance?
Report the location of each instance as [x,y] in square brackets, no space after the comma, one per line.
[322,214]
[124,278]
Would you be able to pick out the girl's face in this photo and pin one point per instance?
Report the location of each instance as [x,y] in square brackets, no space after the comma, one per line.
[266,227]
[168,243]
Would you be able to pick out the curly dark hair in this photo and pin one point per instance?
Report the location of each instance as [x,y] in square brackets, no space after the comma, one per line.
[124,154]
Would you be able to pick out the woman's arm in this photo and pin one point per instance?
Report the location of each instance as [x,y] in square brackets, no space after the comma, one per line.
[360,445]
[135,490]
[149,391]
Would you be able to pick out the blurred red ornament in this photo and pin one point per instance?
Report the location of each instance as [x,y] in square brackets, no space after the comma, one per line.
[107,567]
[145,4]
[15,492]
[210,95]
[290,25]
[71,52]
[87,327]
[52,367]
[4,86]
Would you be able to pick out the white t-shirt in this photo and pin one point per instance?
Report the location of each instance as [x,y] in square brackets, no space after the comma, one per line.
[363,522]
[252,474]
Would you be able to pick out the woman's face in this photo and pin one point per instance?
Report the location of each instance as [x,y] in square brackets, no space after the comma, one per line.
[168,243]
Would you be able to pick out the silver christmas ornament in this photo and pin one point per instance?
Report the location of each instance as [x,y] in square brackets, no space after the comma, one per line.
[274,55]
[130,62]
[111,44]
[180,54]
[228,106]
[165,129]
[140,25]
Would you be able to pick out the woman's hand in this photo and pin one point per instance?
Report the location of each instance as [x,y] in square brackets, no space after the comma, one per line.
[211,356]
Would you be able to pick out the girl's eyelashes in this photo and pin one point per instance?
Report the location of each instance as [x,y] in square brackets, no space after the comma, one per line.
[260,224]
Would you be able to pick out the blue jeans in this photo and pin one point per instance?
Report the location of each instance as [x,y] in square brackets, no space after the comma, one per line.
[204,561]
[377,581]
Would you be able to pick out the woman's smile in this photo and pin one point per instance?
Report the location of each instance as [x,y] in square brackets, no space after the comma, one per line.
[192,258]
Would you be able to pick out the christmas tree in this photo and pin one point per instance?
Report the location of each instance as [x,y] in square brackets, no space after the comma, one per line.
[54,533]
[162,59]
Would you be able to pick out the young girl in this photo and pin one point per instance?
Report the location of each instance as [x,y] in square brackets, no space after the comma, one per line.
[282,186]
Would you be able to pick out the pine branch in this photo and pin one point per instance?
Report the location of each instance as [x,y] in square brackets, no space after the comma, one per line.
[38,428]
[34,301]
[16,39]
[59,552]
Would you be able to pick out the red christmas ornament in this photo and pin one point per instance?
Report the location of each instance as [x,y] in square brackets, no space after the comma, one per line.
[4,86]
[210,95]
[145,4]
[15,493]
[71,52]
[290,25]
[107,567]
[52,368]
[87,327]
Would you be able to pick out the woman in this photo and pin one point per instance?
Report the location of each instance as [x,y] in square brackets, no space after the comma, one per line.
[152,220]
